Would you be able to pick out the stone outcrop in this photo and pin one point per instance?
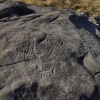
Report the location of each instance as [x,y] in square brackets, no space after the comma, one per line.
[47,54]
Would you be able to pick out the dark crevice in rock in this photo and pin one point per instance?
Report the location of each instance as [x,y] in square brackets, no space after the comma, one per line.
[1,87]
[41,39]
[52,20]
[81,58]
[95,95]
[88,72]
[97,73]
[80,61]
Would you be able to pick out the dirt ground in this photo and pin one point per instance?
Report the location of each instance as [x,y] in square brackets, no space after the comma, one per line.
[90,6]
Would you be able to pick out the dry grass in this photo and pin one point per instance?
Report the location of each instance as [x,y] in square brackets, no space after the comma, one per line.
[91,6]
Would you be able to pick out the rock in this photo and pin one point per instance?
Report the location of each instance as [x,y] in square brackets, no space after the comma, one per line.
[12,9]
[44,56]
[92,63]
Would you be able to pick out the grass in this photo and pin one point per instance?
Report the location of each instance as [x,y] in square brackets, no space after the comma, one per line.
[90,6]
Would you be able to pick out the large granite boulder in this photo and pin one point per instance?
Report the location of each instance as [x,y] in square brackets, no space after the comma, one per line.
[47,54]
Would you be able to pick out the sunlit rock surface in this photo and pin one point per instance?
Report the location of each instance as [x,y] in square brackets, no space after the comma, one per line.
[48,54]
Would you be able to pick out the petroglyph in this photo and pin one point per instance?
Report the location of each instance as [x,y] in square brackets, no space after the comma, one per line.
[44,56]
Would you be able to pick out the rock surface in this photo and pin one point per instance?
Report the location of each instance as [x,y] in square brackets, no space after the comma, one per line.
[45,55]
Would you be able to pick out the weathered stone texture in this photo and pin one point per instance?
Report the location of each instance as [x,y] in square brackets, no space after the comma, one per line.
[44,55]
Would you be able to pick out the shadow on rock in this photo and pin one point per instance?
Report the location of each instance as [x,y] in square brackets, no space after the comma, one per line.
[83,22]
[18,9]
[95,95]
[26,93]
